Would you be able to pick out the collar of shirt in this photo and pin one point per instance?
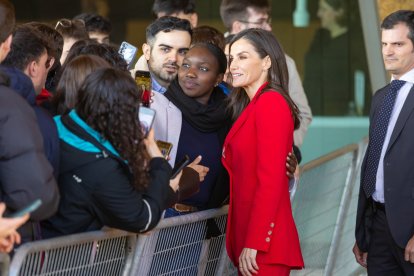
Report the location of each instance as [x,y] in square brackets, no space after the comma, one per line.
[157,87]
[408,77]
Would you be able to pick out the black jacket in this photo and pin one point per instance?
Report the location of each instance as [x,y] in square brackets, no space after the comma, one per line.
[25,173]
[23,85]
[95,185]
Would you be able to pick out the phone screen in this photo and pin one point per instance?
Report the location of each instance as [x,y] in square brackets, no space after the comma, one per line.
[146,118]
[164,147]
[28,209]
[143,80]
[128,52]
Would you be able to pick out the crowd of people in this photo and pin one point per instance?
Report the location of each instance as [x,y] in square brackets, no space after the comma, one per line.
[233,103]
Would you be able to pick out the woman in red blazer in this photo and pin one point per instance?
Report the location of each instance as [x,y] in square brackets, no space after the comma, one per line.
[261,234]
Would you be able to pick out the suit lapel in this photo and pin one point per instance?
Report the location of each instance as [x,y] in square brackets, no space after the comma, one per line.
[402,118]
[240,121]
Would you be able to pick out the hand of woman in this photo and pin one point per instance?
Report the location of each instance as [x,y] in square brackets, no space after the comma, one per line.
[200,169]
[247,262]
[151,145]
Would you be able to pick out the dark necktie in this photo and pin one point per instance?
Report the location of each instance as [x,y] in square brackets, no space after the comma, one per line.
[376,140]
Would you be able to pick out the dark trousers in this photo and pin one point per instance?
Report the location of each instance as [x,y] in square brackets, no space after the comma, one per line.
[385,257]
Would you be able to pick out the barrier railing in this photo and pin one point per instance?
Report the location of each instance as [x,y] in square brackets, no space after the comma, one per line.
[323,206]
[324,209]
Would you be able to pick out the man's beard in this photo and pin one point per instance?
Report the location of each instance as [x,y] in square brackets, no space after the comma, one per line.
[162,75]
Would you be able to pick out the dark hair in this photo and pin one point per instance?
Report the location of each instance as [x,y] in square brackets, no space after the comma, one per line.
[74,73]
[27,46]
[216,52]
[166,24]
[72,28]
[265,44]
[105,51]
[233,10]
[400,17]
[208,34]
[340,5]
[52,37]
[170,7]
[108,102]
[7,19]
[95,23]
[229,38]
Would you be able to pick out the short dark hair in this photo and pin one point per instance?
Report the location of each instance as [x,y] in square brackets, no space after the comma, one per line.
[27,45]
[167,24]
[233,10]
[52,37]
[7,19]
[170,7]
[95,23]
[208,34]
[402,16]
[105,51]
[72,28]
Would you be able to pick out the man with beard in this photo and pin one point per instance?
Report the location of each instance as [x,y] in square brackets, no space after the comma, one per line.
[168,40]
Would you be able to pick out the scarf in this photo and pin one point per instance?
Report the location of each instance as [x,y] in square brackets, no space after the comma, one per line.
[205,118]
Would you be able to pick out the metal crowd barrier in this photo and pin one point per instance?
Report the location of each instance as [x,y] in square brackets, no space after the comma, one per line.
[324,207]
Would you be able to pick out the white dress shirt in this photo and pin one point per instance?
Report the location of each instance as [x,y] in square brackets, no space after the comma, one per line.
[399,102]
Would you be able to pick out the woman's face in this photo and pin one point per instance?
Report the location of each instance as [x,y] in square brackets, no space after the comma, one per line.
[198,74]
[327,14]
[247,68]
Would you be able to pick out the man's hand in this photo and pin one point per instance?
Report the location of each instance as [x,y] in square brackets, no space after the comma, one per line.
[247,262]
[291,164]
[200,169]
[409,251]
[361,257]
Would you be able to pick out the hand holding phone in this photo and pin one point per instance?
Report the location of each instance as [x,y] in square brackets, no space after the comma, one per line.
[180,166]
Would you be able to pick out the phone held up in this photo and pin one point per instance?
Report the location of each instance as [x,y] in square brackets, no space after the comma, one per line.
[143,80]
[146,118]
[128,52]
[164,147]
[28,209]
[180,166]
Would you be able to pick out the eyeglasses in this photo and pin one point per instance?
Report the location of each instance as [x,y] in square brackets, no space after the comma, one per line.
[261,22]
[67,23]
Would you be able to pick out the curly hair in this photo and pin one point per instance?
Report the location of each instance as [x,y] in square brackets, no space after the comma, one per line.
[109,103]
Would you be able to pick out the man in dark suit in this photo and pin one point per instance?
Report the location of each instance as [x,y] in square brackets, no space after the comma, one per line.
[385,217]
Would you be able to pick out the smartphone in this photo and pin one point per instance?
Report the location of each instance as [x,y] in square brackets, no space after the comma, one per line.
[146,118]
[28,209]
[164,147]
[143,80]
[128,52]
[180,166]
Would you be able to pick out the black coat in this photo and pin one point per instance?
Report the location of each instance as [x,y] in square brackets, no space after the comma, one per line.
[25,173]
[96,190]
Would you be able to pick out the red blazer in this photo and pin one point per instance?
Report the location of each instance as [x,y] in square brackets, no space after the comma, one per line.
[254,153]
